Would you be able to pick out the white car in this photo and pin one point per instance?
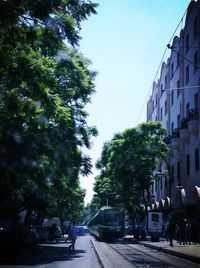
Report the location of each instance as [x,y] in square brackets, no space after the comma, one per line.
[39,233]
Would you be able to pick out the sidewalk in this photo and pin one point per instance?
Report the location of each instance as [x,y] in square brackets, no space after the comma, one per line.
[188,252]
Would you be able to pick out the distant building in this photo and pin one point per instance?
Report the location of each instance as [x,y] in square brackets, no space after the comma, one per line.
[175,102]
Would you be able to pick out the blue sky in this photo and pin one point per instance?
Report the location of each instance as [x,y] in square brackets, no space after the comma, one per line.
[125,42]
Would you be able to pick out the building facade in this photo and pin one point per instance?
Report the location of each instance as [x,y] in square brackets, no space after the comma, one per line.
[175,102]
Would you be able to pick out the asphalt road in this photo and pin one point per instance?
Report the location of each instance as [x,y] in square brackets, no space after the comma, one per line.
[56,255]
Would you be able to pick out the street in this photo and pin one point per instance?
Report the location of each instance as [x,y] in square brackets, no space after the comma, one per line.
[56,255]
[91,253]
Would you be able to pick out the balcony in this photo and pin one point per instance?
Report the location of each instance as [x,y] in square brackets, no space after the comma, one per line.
[176,139]
[184,135]
[176,144]
[168,141]
[184,123]
[193,124]
[184,132]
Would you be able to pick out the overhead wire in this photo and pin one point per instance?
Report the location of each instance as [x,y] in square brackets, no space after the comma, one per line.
[181,55]
[151,86]
[180,22]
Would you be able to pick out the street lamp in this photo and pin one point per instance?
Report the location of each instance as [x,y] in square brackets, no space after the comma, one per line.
[164,171]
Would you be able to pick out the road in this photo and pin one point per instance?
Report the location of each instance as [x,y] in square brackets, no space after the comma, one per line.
[90,253]
[56,255]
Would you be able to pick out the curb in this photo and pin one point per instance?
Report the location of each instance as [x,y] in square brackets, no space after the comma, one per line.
[175,253]
[97,254]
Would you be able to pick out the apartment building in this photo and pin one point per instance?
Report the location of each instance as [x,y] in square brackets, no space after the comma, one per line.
[175,102]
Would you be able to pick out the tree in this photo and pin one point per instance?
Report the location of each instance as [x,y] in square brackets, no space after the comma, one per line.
[127,164]
[45,86]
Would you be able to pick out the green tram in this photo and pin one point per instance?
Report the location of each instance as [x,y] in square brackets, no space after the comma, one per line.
[108,223]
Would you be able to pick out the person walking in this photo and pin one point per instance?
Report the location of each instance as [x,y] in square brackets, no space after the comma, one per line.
[195,232]
[172,229]
[182,228]
[73,233]
[52,232]
[187,232]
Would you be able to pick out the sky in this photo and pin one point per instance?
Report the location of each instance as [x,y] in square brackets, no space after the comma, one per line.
[125,42]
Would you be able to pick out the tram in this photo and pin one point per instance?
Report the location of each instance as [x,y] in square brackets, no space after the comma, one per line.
[108,223]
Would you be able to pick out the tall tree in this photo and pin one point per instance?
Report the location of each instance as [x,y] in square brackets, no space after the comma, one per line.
[127,164]
[44,88]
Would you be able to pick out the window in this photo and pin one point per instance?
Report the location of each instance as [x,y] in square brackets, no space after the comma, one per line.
[178,86]
[167,124]
[178,171]
[178,60]
[178,121]
[172,98]
[197,159]
[165,81]
[196,100]
[172,127]
[161,114]
[195,61]
[187,42]
[165,107]
[152,187]
[156,99]
[161,88]
[172,70]
[172,175]
[187,74]
[187,109]
[188,164]
[195,28]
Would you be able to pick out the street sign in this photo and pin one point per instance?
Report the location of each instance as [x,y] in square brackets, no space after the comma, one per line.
[154,222]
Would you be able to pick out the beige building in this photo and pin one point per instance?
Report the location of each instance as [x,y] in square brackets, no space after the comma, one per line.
[175,102]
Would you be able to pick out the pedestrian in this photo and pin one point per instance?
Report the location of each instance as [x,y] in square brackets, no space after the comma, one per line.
[187,232]
[194,232]
[166,231]
[172,228]
[67,231]
[177,233]
[52,232]
[73,233]
[182,233]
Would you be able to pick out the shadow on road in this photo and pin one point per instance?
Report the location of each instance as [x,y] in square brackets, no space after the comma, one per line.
[46,254]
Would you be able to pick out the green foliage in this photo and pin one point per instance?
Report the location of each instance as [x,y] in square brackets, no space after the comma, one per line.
[44,88]
[60,18]
[127,164]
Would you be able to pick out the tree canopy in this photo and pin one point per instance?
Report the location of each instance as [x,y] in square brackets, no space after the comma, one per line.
[45,86]
[126,166]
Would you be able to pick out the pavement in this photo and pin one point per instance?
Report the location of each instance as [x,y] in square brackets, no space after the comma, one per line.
[189,252]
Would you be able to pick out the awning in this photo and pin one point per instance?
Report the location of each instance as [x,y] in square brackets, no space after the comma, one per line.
[195,195]
[161,204]
[156,205]
[180,196]
[167,203]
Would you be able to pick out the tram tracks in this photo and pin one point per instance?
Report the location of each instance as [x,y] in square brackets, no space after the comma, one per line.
[118,255]
[144,257]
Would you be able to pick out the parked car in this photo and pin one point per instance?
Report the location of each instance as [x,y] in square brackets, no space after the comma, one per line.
[39,233]
[50,222]
[83,230]
[58,232]
[9,240]
[54,227]
[55,232]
